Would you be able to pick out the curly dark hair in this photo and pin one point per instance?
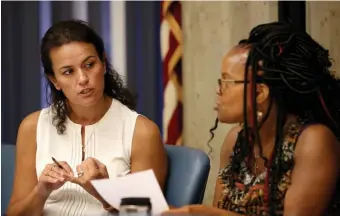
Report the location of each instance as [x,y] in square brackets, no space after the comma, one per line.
[297,71]
[78,31]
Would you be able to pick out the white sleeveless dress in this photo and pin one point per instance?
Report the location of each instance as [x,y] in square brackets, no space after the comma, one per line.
[109,141]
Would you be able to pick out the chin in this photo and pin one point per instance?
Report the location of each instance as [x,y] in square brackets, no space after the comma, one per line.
[227,119]
[88,102]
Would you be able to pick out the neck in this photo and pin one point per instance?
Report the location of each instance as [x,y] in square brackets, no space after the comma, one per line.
[268,131]
[90,114]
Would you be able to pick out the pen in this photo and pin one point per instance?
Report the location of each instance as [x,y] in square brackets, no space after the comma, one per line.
[56,162]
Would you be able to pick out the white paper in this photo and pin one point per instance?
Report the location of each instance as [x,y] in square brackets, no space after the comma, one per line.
[140,184]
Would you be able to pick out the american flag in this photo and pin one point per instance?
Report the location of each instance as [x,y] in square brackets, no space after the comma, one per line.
[171,51]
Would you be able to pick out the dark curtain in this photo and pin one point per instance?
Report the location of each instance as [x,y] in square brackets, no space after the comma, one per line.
[20,68]
[143,57]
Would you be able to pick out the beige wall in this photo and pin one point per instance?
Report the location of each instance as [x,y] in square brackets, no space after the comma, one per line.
[210,29]
[323,23]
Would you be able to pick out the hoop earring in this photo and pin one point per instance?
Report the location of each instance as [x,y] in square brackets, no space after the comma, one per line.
[259,116]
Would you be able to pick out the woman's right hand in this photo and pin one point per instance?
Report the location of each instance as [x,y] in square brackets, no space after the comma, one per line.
[53,177]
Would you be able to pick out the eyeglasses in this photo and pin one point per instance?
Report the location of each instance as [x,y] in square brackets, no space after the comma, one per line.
[228,82]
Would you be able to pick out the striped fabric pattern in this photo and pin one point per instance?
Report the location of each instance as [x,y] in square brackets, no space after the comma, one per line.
[171,51]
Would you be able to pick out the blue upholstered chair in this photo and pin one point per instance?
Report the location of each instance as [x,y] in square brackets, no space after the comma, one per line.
[7,174]
[188,174]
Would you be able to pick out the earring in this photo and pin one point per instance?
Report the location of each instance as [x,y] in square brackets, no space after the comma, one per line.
[259,115]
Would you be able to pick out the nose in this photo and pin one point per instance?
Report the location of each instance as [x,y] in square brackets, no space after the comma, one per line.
[83,77]
[218,90]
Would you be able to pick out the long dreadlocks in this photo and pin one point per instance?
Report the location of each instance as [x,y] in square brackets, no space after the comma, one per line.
[297,71]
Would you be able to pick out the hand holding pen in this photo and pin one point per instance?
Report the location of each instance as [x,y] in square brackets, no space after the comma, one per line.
[53,176]
[61,169]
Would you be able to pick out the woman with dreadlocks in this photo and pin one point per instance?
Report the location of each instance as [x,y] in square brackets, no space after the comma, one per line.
[283,158]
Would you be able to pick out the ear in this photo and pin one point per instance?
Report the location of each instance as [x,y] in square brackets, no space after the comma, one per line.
[262,93]
[55,82]
[104,58]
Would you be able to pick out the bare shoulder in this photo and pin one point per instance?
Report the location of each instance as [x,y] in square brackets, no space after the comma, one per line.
[145,128]
[146,135]
[29,124]
[316,171]
[318,141]
[27,132]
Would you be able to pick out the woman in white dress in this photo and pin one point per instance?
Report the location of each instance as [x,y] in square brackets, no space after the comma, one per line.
[90,129]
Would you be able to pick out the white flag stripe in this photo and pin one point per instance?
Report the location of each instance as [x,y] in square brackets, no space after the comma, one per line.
[165,31]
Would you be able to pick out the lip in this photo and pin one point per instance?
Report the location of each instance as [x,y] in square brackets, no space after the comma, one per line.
[86,91]
[216,106]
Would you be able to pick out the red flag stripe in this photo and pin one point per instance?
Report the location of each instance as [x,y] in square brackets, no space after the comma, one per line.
[172,73]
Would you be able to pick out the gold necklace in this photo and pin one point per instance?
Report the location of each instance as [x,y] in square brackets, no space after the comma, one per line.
[83,147]
[257,156]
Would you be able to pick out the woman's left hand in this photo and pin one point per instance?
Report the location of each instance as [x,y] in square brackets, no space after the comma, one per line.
[91,169]
[199,209]
[181,210]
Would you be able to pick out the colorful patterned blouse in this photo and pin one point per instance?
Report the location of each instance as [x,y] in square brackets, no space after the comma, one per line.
[246,194]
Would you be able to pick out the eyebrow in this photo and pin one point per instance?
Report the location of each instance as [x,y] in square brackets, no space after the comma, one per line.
[87,58]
